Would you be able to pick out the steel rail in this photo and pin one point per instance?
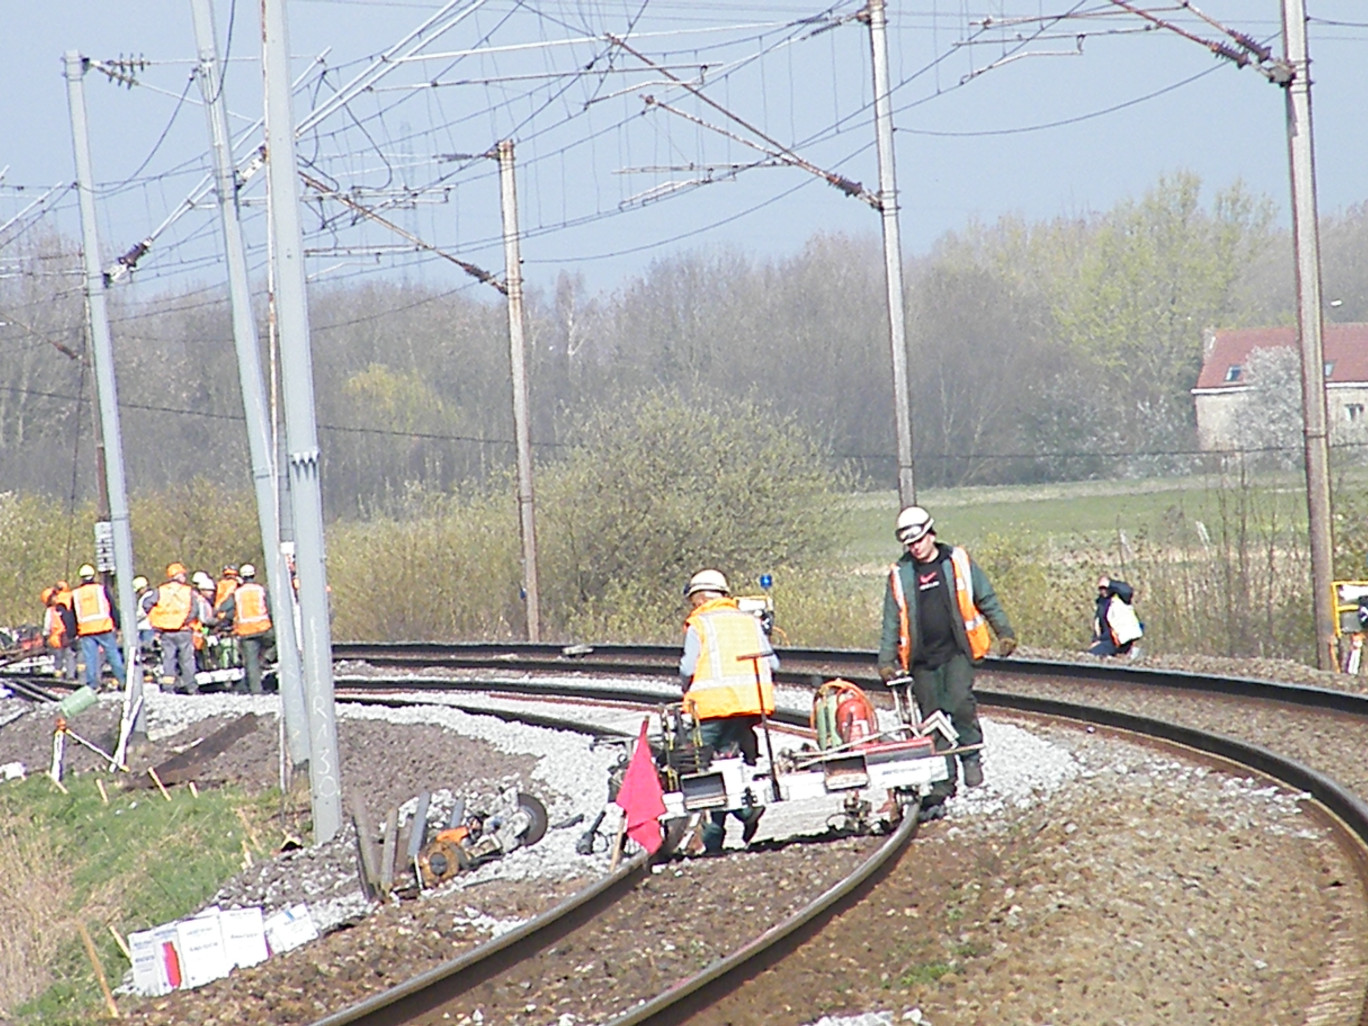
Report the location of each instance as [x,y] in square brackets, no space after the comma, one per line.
[722,976]
[798,666]
[420,994]
[685,998]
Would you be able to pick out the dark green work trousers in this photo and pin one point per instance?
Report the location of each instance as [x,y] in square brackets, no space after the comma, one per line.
[729,735]
[950,688]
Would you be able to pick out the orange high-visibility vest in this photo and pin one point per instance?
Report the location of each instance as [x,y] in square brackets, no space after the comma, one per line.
[54,627]
[225,587]
[58,637]
[91,606]
[975,624]
[251,617]
[723,684]
[172,609]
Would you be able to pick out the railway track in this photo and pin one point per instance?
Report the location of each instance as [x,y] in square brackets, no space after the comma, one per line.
[1119,699]
[679,999]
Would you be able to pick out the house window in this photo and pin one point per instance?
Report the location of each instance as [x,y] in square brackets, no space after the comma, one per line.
[1354,411]
[1233,372]
[1329,367]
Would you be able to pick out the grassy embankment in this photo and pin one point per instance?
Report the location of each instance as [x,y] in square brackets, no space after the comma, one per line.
[127,865]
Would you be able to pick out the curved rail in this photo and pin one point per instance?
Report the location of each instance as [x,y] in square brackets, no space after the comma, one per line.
[698,991]
[685,998]
[799,665]
[440,984]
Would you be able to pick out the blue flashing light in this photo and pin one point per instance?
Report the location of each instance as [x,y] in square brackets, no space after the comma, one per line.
[766,581]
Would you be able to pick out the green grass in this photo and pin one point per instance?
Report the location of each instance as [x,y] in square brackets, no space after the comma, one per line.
[130,864]
[1085,513]
[926,973]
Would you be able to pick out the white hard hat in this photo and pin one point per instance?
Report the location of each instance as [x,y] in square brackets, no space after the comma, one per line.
[707,580]
[913,523]
[246,570]
[202,580]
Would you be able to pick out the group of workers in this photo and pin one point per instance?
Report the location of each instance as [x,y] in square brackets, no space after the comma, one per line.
[184,617]
[940,613]
[939,607]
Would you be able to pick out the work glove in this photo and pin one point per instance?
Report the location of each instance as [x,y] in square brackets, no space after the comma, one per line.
[1006,645]
[887,673]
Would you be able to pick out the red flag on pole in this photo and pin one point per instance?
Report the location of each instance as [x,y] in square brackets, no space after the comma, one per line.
[640,796]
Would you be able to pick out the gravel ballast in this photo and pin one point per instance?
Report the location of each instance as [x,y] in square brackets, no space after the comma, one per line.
[1089,881]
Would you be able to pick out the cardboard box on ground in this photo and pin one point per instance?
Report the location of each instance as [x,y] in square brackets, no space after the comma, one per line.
[192,952]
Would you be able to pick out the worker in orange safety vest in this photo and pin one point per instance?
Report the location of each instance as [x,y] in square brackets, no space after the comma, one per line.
[97,621]
[938,608]
[173,607]
[725,693]
[59,628]
[226,584]
[248,609]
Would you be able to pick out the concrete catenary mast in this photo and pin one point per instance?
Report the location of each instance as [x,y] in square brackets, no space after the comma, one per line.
[301,428]
[876,15]
[253,391]
[522,404]
[102,346]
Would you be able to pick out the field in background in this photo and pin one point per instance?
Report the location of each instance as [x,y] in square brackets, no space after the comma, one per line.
[1219,563]
[1086,517]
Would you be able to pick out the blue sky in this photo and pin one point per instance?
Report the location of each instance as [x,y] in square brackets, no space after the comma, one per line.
[1031,115]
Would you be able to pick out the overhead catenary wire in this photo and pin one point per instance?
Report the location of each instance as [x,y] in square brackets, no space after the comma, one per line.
[1035,455]
[548,226]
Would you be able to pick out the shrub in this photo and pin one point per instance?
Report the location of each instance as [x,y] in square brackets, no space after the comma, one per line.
[664,486]
[41,543]
[445,568]
[203,523]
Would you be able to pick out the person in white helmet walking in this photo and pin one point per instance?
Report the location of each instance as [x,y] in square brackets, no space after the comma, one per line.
[938,607]
[721,691]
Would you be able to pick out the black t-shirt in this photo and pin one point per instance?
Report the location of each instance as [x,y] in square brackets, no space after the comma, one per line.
[936,644]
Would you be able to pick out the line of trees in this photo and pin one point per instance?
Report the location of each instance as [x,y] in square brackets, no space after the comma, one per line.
[1043,350]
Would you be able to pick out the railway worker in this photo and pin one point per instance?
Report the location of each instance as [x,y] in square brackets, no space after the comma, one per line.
[97,620]
[173,607]
[59,628]
[205,637]
[938,607]
[144,625]
[1116,628]
[226,584]
[721,689]
[248,609]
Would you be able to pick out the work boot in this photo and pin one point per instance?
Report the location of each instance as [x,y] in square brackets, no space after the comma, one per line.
[929,813]
[752,823]
[973,774]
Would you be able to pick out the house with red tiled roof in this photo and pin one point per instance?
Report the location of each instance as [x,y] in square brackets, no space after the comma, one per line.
[1224,380]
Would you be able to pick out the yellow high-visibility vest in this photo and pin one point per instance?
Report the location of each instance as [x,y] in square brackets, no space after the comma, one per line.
[172,610]
[724,684]
[91,606]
